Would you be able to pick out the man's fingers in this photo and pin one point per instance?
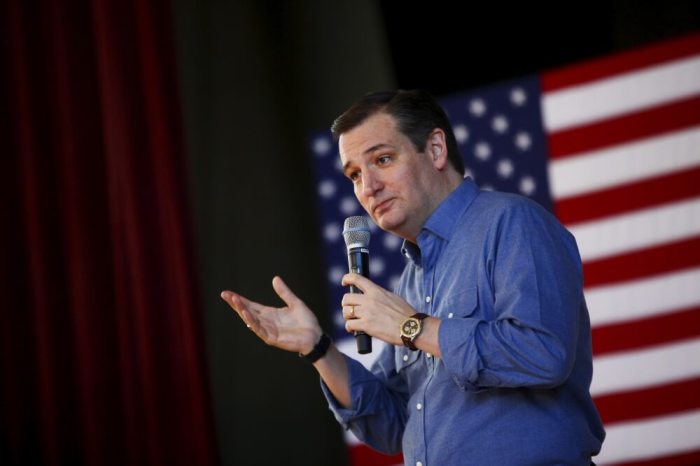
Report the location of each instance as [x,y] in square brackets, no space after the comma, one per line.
[352,326]
[284,292]
[350,311]
[363,283]
[246,317]
[234,300]
[229,298]
[353,298]
[243,308]
[239,304]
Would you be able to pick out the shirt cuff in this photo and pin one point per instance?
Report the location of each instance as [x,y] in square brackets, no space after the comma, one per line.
[460,354]
[358,376]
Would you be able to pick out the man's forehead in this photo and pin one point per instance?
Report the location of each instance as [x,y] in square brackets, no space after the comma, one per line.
[375,133]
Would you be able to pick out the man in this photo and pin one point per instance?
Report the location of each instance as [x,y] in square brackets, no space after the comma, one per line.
[489,347]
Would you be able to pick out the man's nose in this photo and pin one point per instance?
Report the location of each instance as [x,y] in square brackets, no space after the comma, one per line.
[371,183]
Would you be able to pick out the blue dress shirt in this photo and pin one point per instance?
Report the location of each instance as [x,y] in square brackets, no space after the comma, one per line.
[512,385]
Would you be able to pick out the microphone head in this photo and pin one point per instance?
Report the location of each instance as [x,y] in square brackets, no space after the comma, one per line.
[356,232]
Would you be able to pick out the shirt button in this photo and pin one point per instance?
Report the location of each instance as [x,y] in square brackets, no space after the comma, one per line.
[428,355]
[427,299]
[419,406]
[450,315]
[419,463]
[405,357]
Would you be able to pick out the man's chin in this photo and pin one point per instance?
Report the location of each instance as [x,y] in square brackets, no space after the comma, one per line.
[387,223]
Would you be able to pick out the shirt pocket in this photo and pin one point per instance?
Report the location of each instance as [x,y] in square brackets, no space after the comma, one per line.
[405,358]
[461,304]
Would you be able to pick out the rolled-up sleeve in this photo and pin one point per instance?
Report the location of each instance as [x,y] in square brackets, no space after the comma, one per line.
[533,284]
[378,413]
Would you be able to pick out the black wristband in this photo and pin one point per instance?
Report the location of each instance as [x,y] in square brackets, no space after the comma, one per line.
[319,350]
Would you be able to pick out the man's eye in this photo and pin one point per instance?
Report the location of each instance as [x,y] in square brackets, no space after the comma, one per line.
[383,159]
[354,176]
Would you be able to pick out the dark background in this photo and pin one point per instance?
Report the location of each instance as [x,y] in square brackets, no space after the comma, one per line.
[257,77]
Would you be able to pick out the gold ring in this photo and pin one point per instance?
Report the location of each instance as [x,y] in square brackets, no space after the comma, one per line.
[352,311]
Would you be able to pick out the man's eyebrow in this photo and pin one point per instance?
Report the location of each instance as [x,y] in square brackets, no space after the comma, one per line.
[374,148]
[377,147]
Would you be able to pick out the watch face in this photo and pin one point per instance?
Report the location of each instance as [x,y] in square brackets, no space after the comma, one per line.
[410,327]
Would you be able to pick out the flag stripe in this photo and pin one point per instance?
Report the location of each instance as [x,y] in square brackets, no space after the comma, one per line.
[616,131]
[363,455]
[621,94]
[639,229]
[641,194]
[626,163]
[620,63]
[652,438]
[649,402]
[646,367]
[682,459]
[643,298]
[655,330]
[641,264]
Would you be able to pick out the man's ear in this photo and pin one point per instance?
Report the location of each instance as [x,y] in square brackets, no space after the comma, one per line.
[437,148]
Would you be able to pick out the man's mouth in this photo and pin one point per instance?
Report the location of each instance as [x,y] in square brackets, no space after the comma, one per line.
[382,206]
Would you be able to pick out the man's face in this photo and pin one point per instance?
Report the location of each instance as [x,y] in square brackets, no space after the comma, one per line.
[394,183]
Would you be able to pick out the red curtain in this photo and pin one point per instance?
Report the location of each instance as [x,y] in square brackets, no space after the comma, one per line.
[102,354]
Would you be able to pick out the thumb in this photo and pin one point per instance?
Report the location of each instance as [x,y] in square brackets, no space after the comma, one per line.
[284,292]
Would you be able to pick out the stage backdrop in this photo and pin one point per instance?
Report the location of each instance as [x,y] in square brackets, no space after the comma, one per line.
[101,346]
[612,146]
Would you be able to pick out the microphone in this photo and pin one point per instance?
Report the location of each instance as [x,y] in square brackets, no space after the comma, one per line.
[356,236]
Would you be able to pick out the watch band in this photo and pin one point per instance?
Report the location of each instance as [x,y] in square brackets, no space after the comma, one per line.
[319,350]
[408,341]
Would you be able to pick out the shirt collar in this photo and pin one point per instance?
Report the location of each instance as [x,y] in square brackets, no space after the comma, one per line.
[410,251]
[442,221]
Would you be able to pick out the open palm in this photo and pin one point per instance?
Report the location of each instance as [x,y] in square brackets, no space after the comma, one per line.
[293,327]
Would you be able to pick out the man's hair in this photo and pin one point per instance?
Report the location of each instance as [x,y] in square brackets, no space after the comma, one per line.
[416,112]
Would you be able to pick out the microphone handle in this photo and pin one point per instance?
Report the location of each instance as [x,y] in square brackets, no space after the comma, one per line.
[358,262]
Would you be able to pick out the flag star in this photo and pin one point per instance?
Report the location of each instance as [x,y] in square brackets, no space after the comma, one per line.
[391,242]
[518,97]
[376,266]
[468,173]
[505,168]
[327,188]
[482,150]
[348,205]
[335,274]
[477,107]
[321,146]
[527,185]
[461,133]
[331,232]
[394,282]
[338,319]
[499,124]
[523,141]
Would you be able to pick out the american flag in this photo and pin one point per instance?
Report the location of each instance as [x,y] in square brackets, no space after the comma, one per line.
[612,147]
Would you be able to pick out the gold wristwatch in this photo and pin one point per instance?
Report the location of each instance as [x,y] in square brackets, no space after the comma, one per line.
[411,328]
